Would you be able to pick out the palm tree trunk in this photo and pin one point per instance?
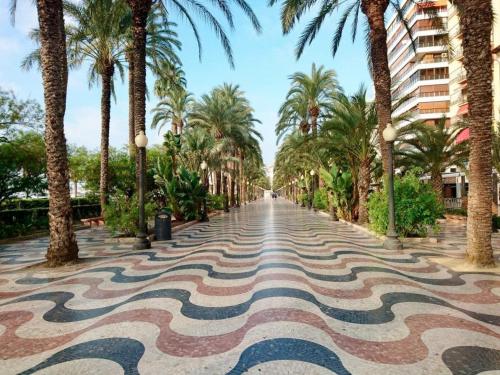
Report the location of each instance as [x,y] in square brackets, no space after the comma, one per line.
[476,22]
[314,112]
[437,185]
[218,182]
[131,127]
[75,188]
[233,195]
[363,187]
[140,10]
[62,243]
[374,11]
[107,76]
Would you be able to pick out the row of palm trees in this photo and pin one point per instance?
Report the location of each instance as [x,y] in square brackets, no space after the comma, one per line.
[476,22]
[108,34]
[347,138]
[218,128]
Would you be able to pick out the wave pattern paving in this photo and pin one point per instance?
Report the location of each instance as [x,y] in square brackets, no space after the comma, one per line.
[269,288]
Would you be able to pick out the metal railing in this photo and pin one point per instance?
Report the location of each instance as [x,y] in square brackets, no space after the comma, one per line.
[452,203]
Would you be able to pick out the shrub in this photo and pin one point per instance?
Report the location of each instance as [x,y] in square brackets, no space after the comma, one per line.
[304,199]
[31,203]
[320,200]
[340,185]
[122,212]
[215,202]
[416,204]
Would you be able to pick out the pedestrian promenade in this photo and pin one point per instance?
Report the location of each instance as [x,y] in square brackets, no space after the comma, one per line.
[270,288]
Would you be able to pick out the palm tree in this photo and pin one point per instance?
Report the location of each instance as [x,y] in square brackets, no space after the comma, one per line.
[63,247]
[476,22]
[433,149]
[374,10]
[316,90]
[293,115]
[226,114]
[96,36]
[161,47]
[141,9]
[351,132]
[174,107]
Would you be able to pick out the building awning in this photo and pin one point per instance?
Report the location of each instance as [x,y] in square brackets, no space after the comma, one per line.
[463,110]
[463,136]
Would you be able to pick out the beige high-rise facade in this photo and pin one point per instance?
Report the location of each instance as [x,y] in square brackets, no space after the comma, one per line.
[420,74]
[432,76]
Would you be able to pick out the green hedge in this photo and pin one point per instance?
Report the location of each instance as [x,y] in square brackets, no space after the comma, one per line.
[23,221]
[19,204]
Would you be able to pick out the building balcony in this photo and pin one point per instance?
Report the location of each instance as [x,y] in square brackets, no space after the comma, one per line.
[463,109]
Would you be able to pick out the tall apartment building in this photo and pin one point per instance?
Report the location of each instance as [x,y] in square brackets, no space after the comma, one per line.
[421,73]
[432,75]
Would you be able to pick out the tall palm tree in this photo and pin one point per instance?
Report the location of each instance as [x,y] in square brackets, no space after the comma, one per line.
[351,131]
[433,149]
[162,45]
[374,11]
[174,107]
[141,9]
[316,90]
[63,247]
[96,35]
[476,22]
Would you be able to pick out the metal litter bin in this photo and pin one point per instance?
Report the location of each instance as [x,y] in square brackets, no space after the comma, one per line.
[163,226]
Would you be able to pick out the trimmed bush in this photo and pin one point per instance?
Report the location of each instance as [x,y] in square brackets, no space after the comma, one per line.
[215,202]
[19,222]
[320,200]
[416,204]
[20,204]
[122,212]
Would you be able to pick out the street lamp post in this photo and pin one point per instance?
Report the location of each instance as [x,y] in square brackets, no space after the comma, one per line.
[141,240]
[226,198]
[204,214]
[312,173]
[392,241]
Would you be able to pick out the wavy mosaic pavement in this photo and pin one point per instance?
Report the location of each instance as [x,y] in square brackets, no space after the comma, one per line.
[270,288]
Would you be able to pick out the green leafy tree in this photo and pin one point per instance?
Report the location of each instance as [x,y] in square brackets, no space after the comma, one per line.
[18,114]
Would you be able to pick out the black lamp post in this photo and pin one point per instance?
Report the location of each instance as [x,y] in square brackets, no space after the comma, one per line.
[141,240]
[312,173]
[392,241]
[204,213]
[226,198]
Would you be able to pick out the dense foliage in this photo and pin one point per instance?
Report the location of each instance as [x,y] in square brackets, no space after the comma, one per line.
[417,207]
[122,212]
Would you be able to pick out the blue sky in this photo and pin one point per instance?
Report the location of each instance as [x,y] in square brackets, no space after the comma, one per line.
[263,64]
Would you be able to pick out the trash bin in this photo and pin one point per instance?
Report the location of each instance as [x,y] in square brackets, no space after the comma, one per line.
[163,226]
